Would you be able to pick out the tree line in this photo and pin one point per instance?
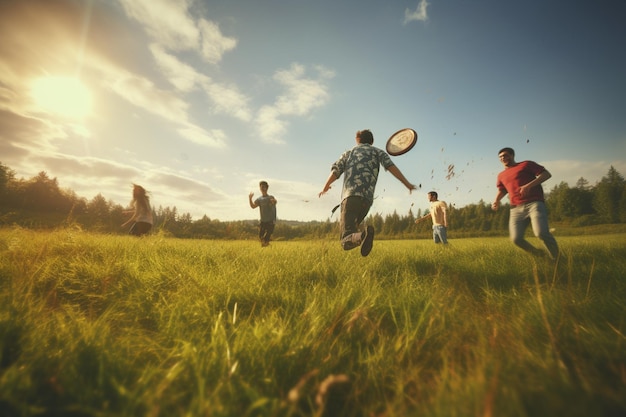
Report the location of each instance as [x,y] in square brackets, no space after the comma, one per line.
[40,202]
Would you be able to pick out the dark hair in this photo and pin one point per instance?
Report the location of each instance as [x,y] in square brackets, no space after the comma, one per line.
[507,150]
[366,136]
[140,197]
[264,183]
[139,192]
[434,194]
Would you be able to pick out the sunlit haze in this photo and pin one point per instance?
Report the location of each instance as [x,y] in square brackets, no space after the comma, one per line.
[64,96]
[198,100]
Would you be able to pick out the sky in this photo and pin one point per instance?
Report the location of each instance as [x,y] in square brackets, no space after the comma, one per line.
[199,100]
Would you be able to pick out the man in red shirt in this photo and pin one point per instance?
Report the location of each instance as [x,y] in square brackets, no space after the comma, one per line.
[522,182]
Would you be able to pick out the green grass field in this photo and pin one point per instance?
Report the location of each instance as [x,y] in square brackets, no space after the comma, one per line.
[95,325]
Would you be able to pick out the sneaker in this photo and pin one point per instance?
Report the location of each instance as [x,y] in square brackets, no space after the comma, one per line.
[368,241]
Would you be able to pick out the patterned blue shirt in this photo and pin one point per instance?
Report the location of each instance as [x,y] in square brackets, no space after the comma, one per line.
[361,165]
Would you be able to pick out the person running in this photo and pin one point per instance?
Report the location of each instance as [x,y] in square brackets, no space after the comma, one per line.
[142,213]
[439,213]
[267,204]
[360,166]
[522,182]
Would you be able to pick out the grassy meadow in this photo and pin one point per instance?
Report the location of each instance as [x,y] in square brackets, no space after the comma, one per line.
[98,325]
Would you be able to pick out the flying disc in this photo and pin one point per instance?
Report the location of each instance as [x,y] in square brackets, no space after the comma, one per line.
[401,142]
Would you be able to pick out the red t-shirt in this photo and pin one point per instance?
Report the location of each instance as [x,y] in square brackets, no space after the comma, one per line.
[511,179]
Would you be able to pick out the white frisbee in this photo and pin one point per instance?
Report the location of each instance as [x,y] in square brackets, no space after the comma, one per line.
[401,142]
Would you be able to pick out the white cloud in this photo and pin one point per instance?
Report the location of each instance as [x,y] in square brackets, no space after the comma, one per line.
[182,76]
[166,188]
[173,29]
[213,139]
[271,128]
[68,165]
[166,21]
[419,14]
[214,44]
[302,94]
[171,25]
[185,188]
[301,97]
[143,93]
[228,100]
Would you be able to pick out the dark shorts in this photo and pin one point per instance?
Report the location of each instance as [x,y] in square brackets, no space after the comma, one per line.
[353,211]
[140,229]
[265,230]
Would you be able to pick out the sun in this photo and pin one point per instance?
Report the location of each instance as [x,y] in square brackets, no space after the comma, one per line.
[63,96]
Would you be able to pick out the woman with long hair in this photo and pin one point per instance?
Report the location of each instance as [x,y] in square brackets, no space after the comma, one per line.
[142,213]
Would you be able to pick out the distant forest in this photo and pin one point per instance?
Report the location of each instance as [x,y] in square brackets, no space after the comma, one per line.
[40,203]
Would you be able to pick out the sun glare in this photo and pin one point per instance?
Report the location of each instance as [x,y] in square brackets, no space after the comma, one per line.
[64,96]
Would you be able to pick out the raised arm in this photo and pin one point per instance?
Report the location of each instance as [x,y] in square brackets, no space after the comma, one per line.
[421,219]
[331,178]
[252,205]
[395,171]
